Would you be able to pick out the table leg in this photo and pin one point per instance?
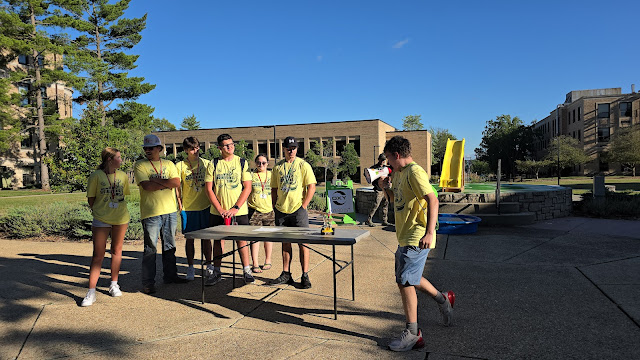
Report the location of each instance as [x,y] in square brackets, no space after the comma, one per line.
[335,293]
[202,267]
[353,277]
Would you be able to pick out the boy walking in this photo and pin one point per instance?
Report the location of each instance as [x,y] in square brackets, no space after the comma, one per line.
[416,215]
[292,187]
[157,180]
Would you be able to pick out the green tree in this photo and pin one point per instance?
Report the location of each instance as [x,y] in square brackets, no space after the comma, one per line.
[508,139]
[190,123]
[439,139]
[26,30]
[243,151]
[534,166]
[81,148]
[10,124]
[133,115]
[100,51]
[412,122]
[162,124]
[320,157]
[212,153]
[624,147]
[349,161]
[571,153]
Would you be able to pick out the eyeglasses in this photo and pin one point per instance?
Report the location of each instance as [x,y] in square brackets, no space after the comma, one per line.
[292,148]
[230,145]
[261,163]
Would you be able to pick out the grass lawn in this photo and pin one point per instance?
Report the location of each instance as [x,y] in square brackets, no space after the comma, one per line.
[38,197]
[583,184]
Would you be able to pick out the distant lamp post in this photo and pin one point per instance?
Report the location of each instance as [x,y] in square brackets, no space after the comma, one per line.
[558,137]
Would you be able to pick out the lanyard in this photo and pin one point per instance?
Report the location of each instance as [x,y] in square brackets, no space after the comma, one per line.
[265,180]
[112,187]
[156,170]
[288,179]
[194,178]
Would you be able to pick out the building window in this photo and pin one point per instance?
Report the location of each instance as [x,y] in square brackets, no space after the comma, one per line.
[625,109]
[603,133]
[341,142]
[574,115]
[301,150]
[356,144]
[169,149]
[27,141]
[579,114]
[28,179]
[574,135]
[262,147]
[24,91]
[272,149]
[23,59]
[579,135]
[326,148]
[603,111]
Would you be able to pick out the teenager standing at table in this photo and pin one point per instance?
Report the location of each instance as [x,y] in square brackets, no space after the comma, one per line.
[193,199]
[416,215]
[157,179]
[228,185]
[261,210]
[105,194]
[292,187]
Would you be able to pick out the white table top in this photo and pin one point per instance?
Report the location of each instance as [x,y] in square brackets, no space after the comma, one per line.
[279,234]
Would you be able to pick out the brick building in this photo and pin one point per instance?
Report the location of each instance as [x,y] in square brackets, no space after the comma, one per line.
[591,117]
[368,137]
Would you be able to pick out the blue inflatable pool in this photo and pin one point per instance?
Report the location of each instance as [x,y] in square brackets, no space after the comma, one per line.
[457,224]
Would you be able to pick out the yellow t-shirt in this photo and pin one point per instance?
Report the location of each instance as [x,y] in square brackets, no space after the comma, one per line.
[410,185]
[260,198]
[227,183]
[159,202]
[291,180]
[109,190]
[194,196]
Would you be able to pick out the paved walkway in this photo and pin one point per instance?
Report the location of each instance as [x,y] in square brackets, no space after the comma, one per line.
[567,288]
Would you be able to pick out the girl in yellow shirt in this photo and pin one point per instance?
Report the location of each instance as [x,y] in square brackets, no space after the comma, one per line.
[261,210]
[106,196]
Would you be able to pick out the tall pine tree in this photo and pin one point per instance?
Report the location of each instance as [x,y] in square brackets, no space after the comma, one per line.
[23,32]
[105,37]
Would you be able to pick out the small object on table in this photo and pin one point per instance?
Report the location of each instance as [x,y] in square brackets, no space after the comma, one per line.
[327,229]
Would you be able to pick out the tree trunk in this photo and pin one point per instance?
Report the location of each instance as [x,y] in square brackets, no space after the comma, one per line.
[42,141]
[103,121]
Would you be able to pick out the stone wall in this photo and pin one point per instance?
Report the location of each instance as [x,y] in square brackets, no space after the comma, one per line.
[550,204]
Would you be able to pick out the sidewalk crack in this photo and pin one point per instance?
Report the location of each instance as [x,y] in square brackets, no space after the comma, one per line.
[30,331]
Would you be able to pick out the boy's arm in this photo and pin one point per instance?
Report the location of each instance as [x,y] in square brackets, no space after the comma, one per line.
[311,189]
[208,186]
[246,191]
[432,220]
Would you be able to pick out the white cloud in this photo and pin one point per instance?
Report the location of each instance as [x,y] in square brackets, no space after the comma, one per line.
[400,44]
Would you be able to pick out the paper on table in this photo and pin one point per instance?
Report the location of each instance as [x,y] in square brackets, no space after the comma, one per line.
[267,229]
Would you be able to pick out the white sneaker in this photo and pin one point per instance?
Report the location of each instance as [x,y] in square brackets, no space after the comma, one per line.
[114,290]
[89,299]
[191,273]
[407,341]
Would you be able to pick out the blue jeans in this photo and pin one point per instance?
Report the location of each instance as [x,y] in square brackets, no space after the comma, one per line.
[163,226]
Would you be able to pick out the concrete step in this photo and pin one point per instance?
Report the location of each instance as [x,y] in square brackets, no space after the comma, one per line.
[523,218]
[478,208]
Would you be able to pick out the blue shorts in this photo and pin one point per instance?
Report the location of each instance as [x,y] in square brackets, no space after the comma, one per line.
[410,262]
[196,220]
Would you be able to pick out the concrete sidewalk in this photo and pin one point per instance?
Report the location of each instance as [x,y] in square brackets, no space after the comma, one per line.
[566,288]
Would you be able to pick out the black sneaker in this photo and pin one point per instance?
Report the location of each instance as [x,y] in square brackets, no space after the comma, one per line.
[149,289]
[284,278]
[176,280]
[305,283]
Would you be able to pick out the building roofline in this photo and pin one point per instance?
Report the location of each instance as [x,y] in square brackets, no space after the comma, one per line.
[268,126]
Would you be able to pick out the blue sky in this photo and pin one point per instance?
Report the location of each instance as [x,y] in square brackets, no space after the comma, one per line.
[458,64]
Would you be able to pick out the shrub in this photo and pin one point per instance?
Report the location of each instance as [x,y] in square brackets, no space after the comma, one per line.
[612,205]
[72,220]
[318,202]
